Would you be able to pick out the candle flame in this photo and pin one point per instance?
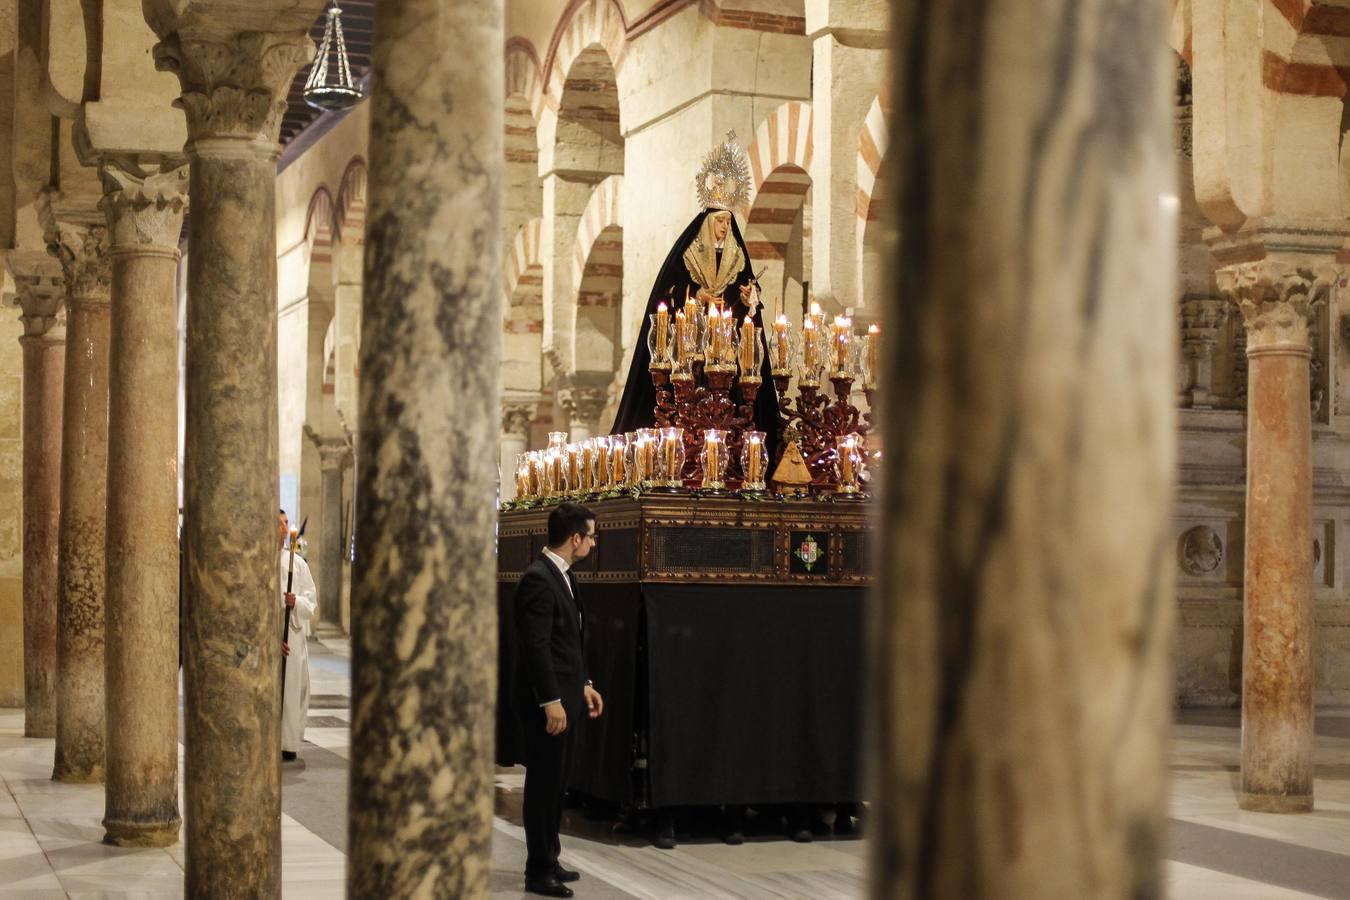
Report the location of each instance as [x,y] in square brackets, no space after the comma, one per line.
[874,328]
[661,307]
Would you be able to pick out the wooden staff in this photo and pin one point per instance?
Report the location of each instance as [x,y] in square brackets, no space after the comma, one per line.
[286,615]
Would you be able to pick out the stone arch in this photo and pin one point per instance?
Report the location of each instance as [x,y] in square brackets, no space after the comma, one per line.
[777,233]
[585,24]
[586,146]
[876,231]
[348,261]
[524,75]
[319,222]
[523,314]
[603,210]
[597,271]
[522,194]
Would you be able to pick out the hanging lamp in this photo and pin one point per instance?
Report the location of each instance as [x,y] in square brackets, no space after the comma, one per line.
[329,85]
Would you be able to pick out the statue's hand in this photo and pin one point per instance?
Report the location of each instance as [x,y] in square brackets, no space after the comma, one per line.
[704,295]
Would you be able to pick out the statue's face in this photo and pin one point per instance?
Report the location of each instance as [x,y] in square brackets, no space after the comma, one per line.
[721,225]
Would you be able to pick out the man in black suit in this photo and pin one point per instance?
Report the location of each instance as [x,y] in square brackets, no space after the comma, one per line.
[550,629]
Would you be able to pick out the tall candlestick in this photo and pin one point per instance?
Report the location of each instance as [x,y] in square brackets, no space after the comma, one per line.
[748,348]
[662,331]
[680,350]
[780,330]
[873,340]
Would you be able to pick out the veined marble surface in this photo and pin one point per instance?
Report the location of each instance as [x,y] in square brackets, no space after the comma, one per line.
[50,833]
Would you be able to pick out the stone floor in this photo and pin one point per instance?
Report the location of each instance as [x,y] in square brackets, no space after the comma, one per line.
[49,833]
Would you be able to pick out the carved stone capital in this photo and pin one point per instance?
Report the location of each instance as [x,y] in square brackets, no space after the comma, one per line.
[82,250]
[516,419]
[583,403]
[39,293]
[144,203]
[234,87]
[1200,321]
[335,451]
[1276,298]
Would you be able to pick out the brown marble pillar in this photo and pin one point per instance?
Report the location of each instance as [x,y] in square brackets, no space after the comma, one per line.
[41,296]
[144,208]
[234,93]
[1021,623]
[82,247]
[424,618]
[1275,298]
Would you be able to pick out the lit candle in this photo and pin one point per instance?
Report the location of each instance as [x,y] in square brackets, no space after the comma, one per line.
[618,449]
[662,331]
[602,463]
[817,314]
[780,330]
[754,463]
[809,345]
[587,461]
[846,447]
[874,339]
[571,453]
[728,329]
[712,458]
[680,346]
[748,347]
[555,472]
[842,335]
[670,460]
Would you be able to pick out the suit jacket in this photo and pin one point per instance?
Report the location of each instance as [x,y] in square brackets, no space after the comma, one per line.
[550,635]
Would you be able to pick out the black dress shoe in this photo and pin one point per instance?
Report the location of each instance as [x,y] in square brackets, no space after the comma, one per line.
[665,838]
[566,876]
[547,886]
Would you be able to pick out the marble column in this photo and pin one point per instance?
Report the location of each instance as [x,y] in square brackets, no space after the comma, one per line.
[144,209]
[41,296]
[515,439]
[335,456]
[234,93]
[1275,298]
[82,248]
[424,615]
[1021,625]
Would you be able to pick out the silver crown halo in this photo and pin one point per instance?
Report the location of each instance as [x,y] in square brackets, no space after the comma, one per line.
[724,180]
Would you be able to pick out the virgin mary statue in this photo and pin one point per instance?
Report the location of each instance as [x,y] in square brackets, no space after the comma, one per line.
[708,261]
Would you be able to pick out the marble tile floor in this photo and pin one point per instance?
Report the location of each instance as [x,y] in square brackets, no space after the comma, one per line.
[50,833]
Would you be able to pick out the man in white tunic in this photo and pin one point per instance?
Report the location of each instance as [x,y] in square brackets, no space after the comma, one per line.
[300,604]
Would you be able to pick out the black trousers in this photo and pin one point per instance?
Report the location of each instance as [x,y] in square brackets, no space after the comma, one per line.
[548,765]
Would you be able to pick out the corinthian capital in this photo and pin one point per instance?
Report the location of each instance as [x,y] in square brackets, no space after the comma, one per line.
[144,203]
[78,239]
[1276,298]
[39,293]
[234,87]
[517,416]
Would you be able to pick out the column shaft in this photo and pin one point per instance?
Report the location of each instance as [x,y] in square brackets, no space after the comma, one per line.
[1021,625]
[142,600]
[233,627]
[1277,670]
[330,553]
[84,483]
[234,87]
[43,377]
[424,659]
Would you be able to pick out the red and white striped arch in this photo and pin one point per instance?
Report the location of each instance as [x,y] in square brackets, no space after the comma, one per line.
[319,227]
[780,158]
[592,22]
[603,210]
[524,76]
[524,254]
[350,212]
[872,141]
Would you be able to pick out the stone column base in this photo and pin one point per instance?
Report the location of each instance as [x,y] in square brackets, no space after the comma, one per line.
[1275,803]
[141,834]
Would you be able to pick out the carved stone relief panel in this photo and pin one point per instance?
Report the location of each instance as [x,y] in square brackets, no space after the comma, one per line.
[1200,552]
